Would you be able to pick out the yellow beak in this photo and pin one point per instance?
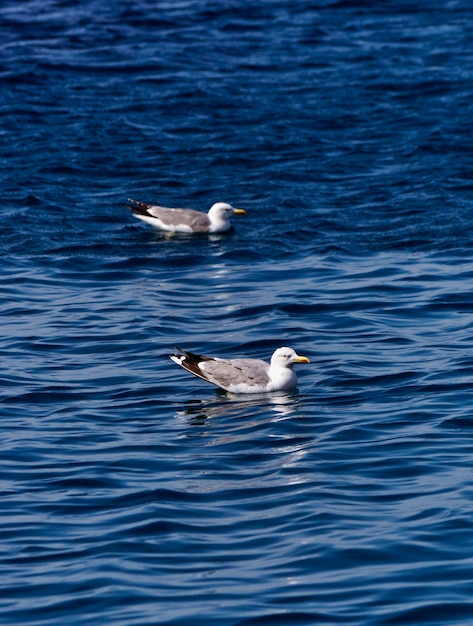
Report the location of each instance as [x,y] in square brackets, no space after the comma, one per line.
[239,211]
[301,359]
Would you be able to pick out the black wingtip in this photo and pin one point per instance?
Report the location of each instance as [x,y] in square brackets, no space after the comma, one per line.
[136,206]
[192,356]
[178,353]
[132,206]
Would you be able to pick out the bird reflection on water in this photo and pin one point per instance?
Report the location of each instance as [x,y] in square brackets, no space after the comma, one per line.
[283,405]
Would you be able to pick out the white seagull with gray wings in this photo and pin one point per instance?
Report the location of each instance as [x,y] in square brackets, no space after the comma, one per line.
[217,220]
[244,375]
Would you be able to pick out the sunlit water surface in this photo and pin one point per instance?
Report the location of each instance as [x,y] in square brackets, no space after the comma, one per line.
[133,494]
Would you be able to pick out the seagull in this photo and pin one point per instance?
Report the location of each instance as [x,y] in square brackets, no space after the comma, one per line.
[217,220]
[243,375]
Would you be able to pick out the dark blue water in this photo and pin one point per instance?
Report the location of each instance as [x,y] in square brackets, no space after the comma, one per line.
[133,494]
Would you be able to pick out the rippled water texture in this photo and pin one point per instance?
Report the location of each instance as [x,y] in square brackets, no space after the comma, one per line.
[133,494]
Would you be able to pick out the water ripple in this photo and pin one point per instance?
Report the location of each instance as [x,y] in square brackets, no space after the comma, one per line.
[133,493]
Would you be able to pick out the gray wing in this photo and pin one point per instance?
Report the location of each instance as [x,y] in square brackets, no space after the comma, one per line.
[226,374]
[197,221]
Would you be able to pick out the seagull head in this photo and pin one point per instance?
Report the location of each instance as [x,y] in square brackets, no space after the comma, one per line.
[223,210]
[286,357]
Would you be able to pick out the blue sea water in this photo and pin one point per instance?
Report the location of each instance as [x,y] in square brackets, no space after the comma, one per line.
[133,494]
